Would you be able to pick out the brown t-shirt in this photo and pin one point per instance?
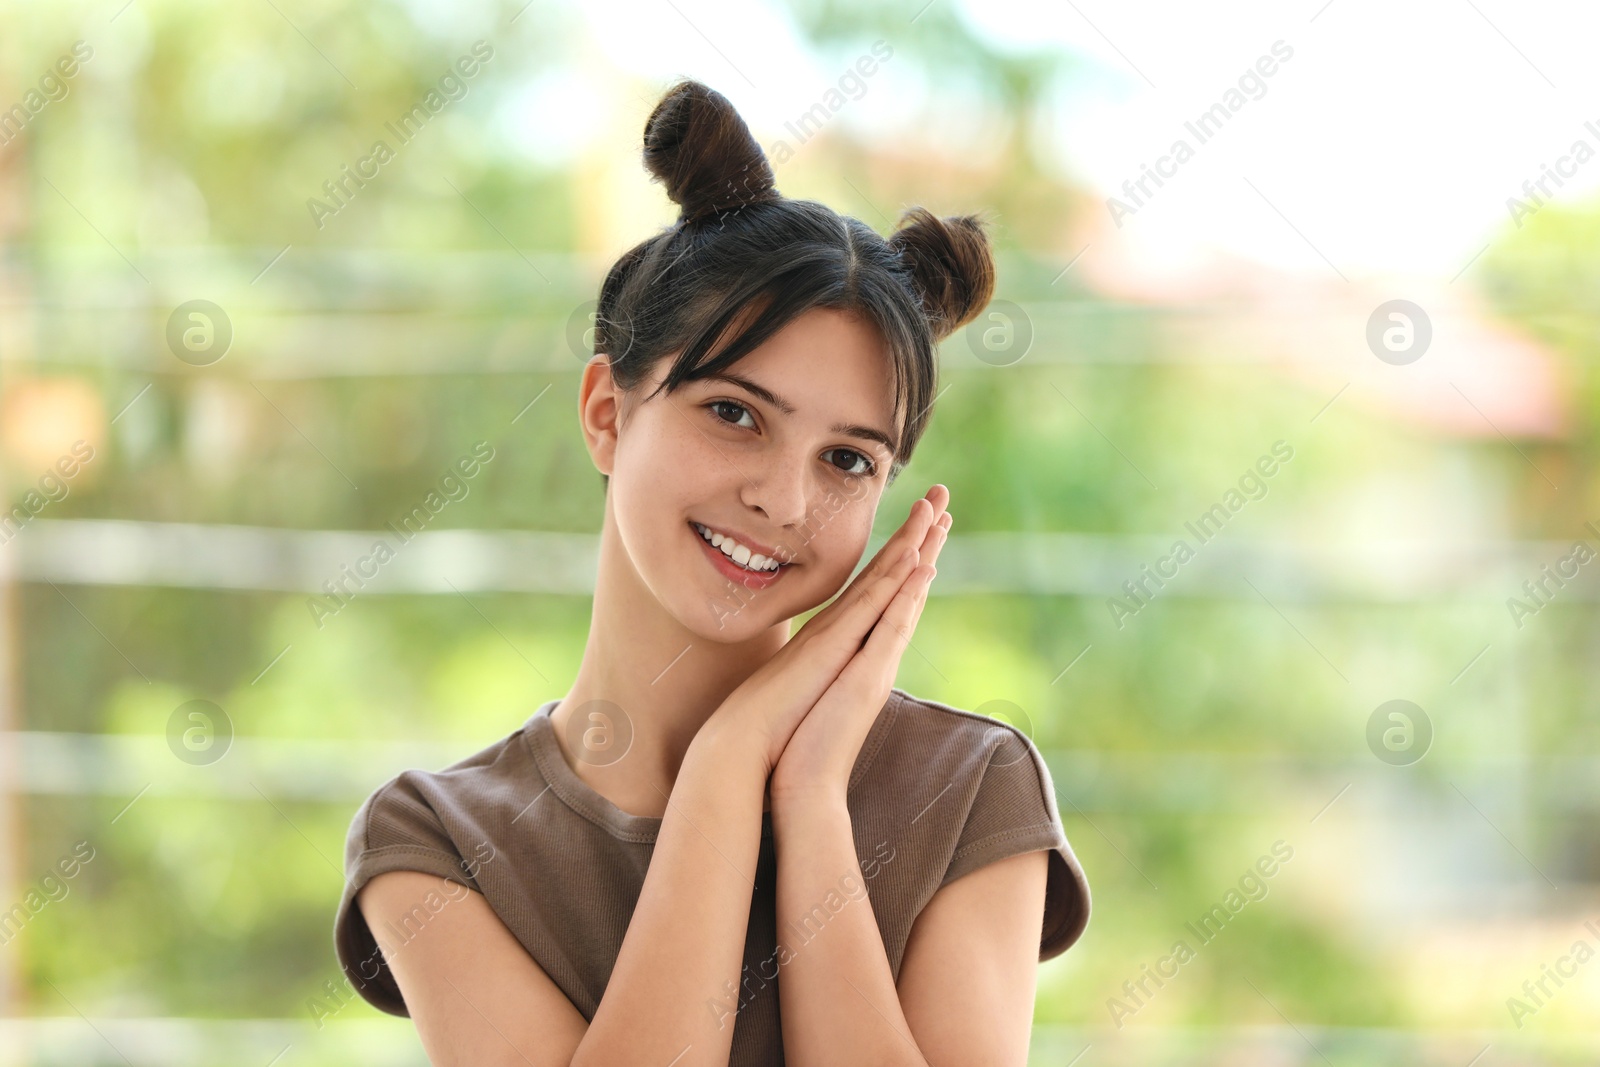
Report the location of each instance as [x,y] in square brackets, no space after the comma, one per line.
[936,792]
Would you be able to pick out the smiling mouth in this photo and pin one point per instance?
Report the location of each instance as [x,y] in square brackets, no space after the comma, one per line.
[737,554]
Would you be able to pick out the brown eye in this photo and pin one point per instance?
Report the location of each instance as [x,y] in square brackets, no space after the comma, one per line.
[716,404]
[870,467]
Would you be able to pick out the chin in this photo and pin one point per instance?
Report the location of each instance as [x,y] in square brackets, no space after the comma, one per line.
[732,614]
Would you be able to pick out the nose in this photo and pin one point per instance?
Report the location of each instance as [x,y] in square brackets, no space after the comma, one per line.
[778,488]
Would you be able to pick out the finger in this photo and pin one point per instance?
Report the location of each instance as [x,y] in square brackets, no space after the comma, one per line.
[935,539]
[857,616]
[867,606]
[888,568]
[912,530]
[917,520]
[915,529]
[886,643]
[844,624]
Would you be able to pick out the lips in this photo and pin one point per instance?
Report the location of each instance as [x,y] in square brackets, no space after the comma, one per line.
[750,579]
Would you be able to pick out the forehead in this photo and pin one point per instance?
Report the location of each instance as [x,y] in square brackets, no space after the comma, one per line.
[829,364]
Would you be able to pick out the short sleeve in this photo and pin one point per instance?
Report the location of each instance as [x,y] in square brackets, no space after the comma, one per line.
[395,829]
[1013,812]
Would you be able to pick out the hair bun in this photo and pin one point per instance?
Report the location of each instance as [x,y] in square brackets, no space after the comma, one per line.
[951,265]
[697,145]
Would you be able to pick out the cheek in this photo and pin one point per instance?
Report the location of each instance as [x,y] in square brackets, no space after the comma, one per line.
[660,456]
[838,531]
[664,471]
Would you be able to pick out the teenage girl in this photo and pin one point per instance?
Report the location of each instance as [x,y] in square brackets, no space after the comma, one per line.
[728,843]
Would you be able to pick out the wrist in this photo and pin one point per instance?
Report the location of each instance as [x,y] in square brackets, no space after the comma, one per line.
[732,744]
[824,798]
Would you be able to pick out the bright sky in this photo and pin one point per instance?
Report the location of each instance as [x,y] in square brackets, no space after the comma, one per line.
[1390,140]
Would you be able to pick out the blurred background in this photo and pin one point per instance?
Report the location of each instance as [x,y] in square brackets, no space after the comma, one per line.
[1308,287]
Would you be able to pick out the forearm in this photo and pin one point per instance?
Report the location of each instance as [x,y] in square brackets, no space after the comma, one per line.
[668,999]
[836,992]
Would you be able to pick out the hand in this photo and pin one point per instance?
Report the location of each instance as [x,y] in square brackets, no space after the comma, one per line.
[772,701]
[822,751]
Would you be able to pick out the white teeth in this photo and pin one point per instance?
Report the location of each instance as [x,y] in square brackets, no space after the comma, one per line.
[752,561]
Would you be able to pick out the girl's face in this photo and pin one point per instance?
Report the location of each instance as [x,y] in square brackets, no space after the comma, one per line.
[789,462]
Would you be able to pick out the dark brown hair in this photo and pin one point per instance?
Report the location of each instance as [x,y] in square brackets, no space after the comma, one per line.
[741,253]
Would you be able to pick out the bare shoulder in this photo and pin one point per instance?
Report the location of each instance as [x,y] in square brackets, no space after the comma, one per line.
[471,989]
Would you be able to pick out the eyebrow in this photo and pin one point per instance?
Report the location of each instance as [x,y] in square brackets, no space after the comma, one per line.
[863,433]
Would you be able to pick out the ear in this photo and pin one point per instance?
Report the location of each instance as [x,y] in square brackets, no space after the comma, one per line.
[599,412]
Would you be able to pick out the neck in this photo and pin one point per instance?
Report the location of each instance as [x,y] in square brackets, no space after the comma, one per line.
[666,679]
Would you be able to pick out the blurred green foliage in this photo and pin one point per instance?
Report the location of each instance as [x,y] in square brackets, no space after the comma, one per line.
[1182,745]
